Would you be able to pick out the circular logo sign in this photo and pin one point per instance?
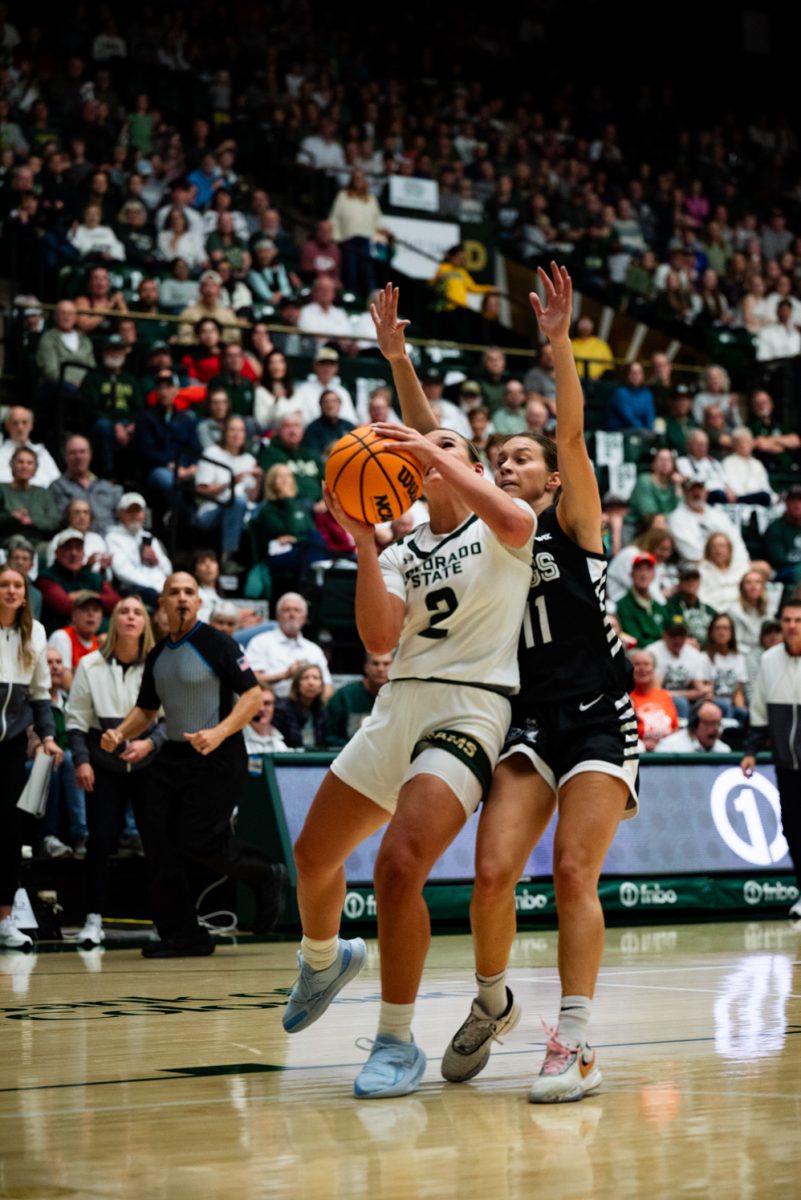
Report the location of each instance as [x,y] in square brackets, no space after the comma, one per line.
[629,894]
[757,836]
[354,906]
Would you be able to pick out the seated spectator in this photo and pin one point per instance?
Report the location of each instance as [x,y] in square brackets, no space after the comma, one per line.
[206,570]
[234,292]
[685,603]
[715,308]
[100,306]
[329,427]
[770,634]
[510,417]
[658,491]
[21,555]
[773,444]
[679,420]
[276,384]
[717,431]
[750,611]
[729,668]
[68,574]
[780,340]
[493,376]
[745,475]
[676,305]
[697,463]
[782,539]
[179,291]
[284,531]
[716,389]
[139,562]
[592,354]
[276,655]
[166,440]
[320,255]
[660,379]
[321,316]
[79,483]
[228,491]
[756,311]
[351,705]
[268,278]
[19,426]
[78,515]
[24,508]
[632,405]
[208,304]
[110,400]
[215,410]
[136,235]
[537,414]
[656,541]
[640,616]
[238,378]
[149,303]
[178,240]
[286,447]
[225,241]
[261,736]
[720,578]
[203,360]
[680,668]
[453,283]
[694,520]
[702,735]
[225,617]
[63,344]
[479,419]
[656,712]
[92,239]
[78,638]
[300,717]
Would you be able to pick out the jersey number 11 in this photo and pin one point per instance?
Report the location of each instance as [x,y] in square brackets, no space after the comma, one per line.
[528,625]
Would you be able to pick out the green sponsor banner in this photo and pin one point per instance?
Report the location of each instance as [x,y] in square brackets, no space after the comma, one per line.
[652,900]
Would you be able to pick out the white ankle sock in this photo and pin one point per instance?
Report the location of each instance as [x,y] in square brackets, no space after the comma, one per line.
[574,1016]
[492,993]
[319,954]
[396,1019]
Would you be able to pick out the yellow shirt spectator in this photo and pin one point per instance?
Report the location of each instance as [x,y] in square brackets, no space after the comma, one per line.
[453,282]
[592,354]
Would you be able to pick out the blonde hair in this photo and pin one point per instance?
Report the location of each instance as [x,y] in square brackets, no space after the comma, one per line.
[269,481]
[146,640]
[23,621]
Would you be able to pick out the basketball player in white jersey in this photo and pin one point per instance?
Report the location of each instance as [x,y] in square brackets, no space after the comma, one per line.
[426,754]
[573,736]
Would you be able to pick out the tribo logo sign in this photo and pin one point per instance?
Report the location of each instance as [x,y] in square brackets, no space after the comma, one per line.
[746,813]
[634,894]
[755,892]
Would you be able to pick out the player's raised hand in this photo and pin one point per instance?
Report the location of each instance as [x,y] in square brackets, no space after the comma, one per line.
[388,328]
[555,317]
[358,530]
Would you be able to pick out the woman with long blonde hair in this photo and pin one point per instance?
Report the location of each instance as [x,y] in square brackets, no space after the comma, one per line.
[24,699]
[105,688]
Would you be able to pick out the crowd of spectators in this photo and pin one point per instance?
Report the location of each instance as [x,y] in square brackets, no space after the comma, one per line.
[206,346]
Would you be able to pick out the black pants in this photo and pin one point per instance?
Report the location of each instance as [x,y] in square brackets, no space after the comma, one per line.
[15,825]
[105,818]
[789,783]
[185,815]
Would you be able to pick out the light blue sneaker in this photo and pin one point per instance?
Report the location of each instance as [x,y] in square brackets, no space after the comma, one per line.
[394,1068]
[314,990]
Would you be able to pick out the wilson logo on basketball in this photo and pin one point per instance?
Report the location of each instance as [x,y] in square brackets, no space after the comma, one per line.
[408,480]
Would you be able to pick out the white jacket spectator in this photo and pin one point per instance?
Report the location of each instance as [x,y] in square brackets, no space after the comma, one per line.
[305,399]
[694,521]
[744,474]
[685,742]
[18,427]
[92,238]
[322,316]
[697,463]
[138,560]
[781,340]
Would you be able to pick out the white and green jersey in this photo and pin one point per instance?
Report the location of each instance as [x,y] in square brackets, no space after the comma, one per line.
[465,593]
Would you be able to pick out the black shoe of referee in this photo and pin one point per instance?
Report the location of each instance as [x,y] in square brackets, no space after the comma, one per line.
[179,948]
[270,899]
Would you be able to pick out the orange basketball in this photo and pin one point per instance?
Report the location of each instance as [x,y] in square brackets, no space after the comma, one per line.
[372,483]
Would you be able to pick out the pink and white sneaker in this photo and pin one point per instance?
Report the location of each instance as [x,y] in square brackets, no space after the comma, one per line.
[568,1072]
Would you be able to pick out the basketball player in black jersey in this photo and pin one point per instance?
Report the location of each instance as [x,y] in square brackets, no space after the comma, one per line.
[573,737]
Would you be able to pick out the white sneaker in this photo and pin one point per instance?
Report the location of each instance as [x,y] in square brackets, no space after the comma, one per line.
[92,933]
[568,1072]
[53,847]
[469,1050]
[12,938]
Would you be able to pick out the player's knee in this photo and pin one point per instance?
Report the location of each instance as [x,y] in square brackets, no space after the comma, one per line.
[397,870]
[494,880]
[573,878]
[310,858]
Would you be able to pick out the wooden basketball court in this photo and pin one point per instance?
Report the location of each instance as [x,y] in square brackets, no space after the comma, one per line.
[122,1077]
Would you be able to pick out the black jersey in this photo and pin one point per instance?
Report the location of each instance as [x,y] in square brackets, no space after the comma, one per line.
[567,647]
[195,680]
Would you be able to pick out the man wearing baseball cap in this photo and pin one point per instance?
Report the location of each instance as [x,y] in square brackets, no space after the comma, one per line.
[641,616]
[208,305]
[139,562]
[80,636]
[324,378]
[68,575]
[166,439]
[694,520]
[685,603]
[681,669]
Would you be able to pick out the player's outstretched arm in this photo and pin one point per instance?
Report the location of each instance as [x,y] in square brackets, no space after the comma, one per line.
[379,615]
[579,510]
[511,523]
[415,409]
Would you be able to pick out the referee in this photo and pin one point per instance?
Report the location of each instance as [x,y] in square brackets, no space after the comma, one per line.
[194,675]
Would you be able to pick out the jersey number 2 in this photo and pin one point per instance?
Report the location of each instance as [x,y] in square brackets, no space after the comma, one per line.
[542,619]
[442,604]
